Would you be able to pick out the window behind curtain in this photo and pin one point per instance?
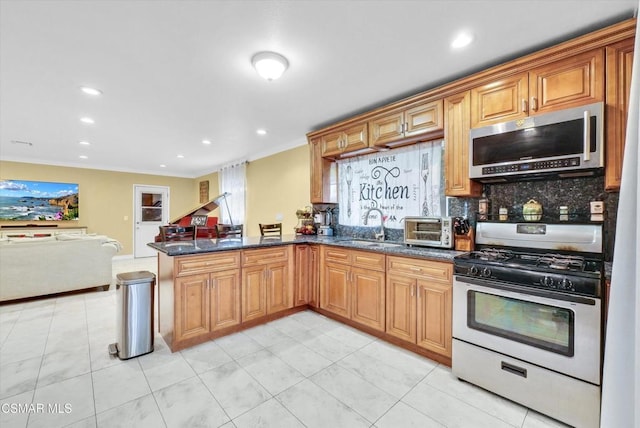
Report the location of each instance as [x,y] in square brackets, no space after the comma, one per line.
[233,180]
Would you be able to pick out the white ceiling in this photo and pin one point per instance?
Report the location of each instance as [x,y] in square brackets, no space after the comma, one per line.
[176,72]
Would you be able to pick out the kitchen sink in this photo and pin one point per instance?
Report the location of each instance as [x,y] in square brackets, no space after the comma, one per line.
[372,244]
[384,245]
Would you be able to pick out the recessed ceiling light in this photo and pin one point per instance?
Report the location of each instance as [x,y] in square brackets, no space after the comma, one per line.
[180,156]
[87,120]
[463,39]
[90,91]
[83,157]
[162,165]
[206,142]
[269,65]
[84,143]
[261,132]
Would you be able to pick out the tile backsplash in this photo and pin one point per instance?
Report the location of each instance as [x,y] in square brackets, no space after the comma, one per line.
[575,193]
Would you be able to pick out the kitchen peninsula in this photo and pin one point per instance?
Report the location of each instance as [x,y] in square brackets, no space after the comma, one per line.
[209,288]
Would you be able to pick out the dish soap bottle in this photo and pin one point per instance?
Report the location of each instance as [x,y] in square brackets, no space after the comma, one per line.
[483,207]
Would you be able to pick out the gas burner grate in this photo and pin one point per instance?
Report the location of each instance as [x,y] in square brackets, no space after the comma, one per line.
[493,254]
[561,262]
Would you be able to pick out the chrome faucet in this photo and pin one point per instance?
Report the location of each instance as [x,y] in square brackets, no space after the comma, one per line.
[379,236]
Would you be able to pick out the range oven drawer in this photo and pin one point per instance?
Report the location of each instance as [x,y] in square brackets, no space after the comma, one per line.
[562,397]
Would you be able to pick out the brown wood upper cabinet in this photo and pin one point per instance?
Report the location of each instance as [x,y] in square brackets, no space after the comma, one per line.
[456,147]
[406,125]
[569,82]
[352,139]
[618,82]
[324,176]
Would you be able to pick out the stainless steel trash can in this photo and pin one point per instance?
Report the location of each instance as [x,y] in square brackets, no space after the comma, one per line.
[135,292]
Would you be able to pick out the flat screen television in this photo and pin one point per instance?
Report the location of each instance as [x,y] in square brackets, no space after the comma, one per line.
[22,200]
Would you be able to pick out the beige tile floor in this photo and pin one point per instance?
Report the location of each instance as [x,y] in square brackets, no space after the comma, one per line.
[304,370]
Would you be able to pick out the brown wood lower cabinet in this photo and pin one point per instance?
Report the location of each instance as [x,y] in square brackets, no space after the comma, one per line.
[307,275]
[419,302]
[192,308]
[267,281]
[400,299]
[224,299]
[206,294]
[352,285]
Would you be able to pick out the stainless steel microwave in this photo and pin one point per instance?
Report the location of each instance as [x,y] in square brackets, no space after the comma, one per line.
[565,143]
[429,231]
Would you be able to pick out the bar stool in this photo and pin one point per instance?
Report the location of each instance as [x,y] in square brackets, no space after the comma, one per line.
[230,230]
[173,232]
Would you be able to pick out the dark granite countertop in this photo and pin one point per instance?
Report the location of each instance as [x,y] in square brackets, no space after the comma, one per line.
[200,246]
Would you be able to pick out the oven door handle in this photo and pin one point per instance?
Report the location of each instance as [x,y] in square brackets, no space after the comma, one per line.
[527,290]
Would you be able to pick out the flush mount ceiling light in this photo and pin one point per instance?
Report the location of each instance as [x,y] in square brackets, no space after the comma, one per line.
[261,131]
[87,120]
[90,91]
[206,142]
[269,65]
[461,40]
[83,157]
[84,143]
[180,156]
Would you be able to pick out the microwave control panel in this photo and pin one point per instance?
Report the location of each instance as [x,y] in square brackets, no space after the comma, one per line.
[532,166]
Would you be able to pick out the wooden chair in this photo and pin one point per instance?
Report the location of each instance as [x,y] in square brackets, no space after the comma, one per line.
[270,229]
[174,232]
[230,231]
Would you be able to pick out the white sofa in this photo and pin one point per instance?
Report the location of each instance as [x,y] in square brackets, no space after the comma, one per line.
[32,267]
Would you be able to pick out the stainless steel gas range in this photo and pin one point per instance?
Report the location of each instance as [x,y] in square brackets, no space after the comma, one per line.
[527,317]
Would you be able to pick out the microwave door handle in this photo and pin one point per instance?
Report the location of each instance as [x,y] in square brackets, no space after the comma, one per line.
[587,136]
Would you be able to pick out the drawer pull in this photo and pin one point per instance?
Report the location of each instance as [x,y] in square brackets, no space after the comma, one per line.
[415,269]
[519,371]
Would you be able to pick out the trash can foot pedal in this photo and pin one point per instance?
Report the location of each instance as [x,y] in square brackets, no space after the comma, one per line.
[113,349]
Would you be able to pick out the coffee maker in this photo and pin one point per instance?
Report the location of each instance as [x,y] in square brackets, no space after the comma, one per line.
[325,228]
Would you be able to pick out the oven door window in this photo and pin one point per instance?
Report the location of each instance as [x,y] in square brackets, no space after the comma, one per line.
[543,326]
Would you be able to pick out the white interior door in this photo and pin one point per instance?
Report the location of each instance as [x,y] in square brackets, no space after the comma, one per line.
[151,208]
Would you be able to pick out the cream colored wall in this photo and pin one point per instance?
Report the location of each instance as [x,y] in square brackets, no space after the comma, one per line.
[106,197]
[214,189]
[277,185]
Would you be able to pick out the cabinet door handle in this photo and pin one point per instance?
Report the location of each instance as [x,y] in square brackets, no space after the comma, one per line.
[534,103]
[524,105]
[412,290]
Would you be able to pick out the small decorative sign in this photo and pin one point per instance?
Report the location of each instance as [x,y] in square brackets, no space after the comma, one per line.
[204,191]
[405,182]
[199,220]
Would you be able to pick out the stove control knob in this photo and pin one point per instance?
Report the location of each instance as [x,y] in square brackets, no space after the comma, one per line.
[473,270]
[566,284]
[486,272]
[548,282]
